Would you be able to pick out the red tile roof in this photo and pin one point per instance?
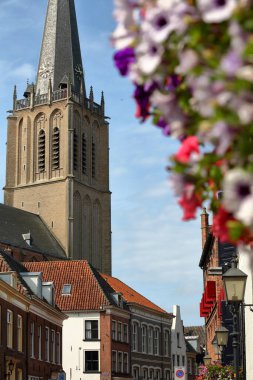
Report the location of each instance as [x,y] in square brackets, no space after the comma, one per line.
[130,295]
[86,292]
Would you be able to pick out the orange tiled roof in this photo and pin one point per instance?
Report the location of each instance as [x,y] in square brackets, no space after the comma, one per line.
[86,292]
[130,295]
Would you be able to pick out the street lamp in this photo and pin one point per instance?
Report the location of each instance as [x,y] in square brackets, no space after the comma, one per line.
[207,360]
[235,283]
[222,336]
[10,369]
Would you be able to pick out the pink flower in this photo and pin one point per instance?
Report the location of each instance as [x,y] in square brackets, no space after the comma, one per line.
[189,202]
[220,225]
[189,150]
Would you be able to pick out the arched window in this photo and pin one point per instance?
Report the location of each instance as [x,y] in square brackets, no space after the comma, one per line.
[84,154]
[41,150]
[56,149]
[93,158]
[75,152]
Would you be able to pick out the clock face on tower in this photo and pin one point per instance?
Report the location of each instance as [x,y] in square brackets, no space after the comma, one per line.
[79,71]
[46,70]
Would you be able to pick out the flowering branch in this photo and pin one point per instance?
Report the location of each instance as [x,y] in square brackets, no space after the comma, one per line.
[191,64]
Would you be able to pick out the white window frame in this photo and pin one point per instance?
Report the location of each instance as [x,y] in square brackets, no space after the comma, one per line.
[47,344]
[125,355]
[156,341]
[145,371]
[120,370]
[9,328]
[20,333]
[40,342]
[58,348]
[166,342]
[151,373]
[91,320]
[125,336]
[135,336]
[150,340]
[136,368]
[32,338]
[114,331]
[144,338]
[119,328]
[114,370]
[53,345]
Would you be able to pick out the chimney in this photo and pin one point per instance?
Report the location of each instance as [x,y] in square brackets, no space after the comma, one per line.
[204,225]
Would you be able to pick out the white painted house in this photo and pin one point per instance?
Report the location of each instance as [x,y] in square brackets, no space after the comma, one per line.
[178,346]
[245,265]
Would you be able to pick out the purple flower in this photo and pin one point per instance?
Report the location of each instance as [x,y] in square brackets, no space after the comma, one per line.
[123,59]
[142,95]
[162,123]
[231,63]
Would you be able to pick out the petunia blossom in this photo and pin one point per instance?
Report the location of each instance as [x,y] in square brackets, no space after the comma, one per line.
[237,188]
[214,11]
[188,151]
[123,59]
[189,202]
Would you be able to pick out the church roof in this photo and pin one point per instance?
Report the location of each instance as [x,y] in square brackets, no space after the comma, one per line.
[16,225]
[88,290]
[131,296]
[60,51]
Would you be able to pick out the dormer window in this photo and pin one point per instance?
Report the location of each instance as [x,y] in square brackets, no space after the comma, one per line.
[66,289]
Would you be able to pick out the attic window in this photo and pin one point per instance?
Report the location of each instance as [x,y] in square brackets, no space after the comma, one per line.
[66,289]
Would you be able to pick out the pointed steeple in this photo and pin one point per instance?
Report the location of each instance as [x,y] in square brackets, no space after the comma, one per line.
[60,52]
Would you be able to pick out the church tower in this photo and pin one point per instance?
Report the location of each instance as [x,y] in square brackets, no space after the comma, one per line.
[58,146]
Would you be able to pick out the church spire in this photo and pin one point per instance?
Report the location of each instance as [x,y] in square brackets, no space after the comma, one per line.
[60,52]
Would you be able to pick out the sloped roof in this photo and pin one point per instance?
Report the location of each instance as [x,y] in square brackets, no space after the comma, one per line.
[15,222]
[189,347]
[9,264]
[88,289]
[130,295]
[196,331]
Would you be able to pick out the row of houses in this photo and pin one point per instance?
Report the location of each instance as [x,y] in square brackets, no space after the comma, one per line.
[64,318]
[216,258]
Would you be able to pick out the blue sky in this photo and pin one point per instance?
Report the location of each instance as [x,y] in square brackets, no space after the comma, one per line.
[153,251]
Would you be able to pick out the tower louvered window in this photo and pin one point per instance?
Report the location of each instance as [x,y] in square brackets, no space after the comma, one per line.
[56,149]
[84,154]
[41,151]
[93,159]
[75,158]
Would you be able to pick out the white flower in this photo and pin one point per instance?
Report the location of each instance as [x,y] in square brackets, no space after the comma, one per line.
[188,60]
[245,213]
[237,187]
[149,56]
[214,11]
[122,38]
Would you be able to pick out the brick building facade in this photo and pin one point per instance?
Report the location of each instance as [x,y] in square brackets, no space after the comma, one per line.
[31,327]
[215,258]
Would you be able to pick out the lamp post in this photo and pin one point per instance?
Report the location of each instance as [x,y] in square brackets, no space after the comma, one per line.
[207,359]
[235,283]
[222,335]
[10,369]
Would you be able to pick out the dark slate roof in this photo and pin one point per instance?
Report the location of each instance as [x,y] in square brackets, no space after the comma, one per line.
[196,331]
[207,249]
[8,263]
[67,52]
[15,222]
[189,347]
